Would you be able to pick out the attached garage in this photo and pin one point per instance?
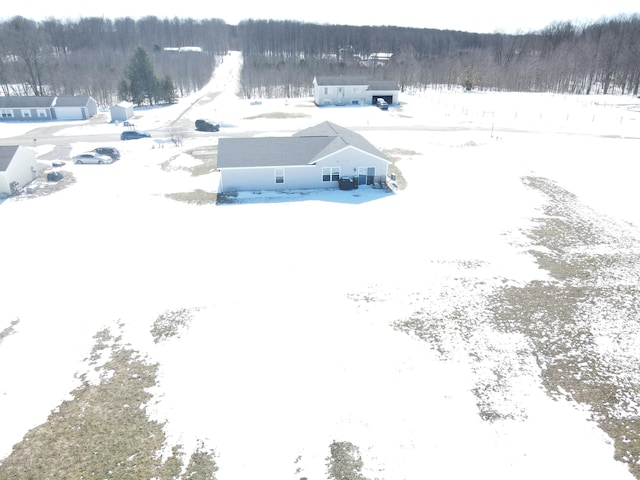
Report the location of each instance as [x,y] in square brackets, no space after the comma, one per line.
[74,108]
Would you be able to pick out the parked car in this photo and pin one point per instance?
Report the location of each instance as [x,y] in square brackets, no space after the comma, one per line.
[382,104]
[133,135]
[55,176]
[91,157]
[112,152]
[203,125]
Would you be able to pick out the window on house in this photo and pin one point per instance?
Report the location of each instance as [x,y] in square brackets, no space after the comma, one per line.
[6,113]
[330,174]
[326,90]
[42,113]
[26,113]
[279,175]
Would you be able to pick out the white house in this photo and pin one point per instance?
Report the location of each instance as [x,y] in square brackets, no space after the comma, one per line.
[74,108]
[353,91]
[317,157]
[121,112]
[17,164]
[18,107]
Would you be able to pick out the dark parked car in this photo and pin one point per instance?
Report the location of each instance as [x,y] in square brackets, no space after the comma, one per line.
[382,104]
[133,135]
[55,176]
[112,152]
[203,125]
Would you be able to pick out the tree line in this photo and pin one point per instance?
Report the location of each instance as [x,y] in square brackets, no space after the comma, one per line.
[90,56]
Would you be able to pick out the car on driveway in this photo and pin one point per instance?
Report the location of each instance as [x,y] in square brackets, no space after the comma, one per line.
[382,104]
[203,125]
[133,135]
[112,152]
[91,157]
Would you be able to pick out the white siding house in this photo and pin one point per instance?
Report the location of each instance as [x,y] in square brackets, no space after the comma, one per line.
[353,91]
[121,112]
[17,164]
[316,157]
[74,108]
[47,108]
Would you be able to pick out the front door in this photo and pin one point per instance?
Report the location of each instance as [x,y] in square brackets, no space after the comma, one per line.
[365,175]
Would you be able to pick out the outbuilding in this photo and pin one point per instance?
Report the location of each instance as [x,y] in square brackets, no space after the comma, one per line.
[316,157]
[18,167]
[121,112]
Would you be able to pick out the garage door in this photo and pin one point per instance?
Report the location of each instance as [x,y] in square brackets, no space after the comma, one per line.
[69,113]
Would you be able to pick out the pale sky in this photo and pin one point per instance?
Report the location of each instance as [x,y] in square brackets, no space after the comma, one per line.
[466,15]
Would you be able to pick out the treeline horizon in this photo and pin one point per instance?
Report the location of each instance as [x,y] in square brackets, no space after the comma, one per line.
[88,56]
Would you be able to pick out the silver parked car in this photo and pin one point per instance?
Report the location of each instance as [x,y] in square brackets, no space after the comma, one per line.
[91,157]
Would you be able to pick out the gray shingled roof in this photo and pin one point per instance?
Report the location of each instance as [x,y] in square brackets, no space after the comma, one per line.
[16,101]
[72,101]
[329,81]
[304,148]
[7,153]
[383,85]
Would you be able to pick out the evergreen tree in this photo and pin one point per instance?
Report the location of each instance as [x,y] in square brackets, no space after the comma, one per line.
[141,79]
[166,90]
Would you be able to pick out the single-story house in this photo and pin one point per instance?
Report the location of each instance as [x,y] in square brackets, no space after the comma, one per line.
[349,90]
[316,157]
[16,107]
[121,112]
[74,108]
[17,164]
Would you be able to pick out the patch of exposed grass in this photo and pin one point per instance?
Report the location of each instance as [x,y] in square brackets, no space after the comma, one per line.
[278,115]
[104,431]
[170,324]
[593,297]
[196,197]
[9,330]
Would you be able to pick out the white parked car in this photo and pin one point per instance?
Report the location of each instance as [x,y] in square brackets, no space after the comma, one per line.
[91,157]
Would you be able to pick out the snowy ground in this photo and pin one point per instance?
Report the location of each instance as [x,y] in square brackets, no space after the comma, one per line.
[373,318]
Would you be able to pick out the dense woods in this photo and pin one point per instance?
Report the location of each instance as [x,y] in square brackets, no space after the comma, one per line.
[89,56]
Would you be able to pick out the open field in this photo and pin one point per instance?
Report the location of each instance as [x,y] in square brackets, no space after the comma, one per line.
[481,322]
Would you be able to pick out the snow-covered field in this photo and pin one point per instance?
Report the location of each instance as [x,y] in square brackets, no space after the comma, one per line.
[290,341]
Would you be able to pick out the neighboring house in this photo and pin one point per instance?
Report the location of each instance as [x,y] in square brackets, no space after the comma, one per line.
[74,108]
[121,112]
[17,164]
[26,108]
[16,107]
[353,91]
[316,157]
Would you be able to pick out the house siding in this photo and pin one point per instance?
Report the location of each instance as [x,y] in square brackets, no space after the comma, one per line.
[23,168]
[348,160]
[264,178]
